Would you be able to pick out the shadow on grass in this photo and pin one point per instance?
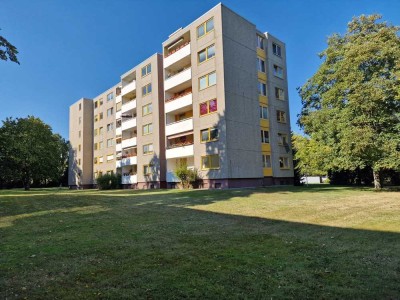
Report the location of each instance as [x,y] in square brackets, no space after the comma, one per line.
[152,244]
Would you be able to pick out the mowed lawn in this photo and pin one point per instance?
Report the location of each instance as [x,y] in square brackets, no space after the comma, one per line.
[284,242]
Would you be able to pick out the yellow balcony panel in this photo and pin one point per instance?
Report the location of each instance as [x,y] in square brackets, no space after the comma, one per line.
[261,53]
[267,171]
[262,76]
[263,99]
[265,148]
[264,123]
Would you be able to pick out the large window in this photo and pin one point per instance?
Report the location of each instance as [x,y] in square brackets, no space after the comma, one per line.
[110,127]
[146,70]
[147,129]
[266,158]
[205,27]
[263,112]
[148,169]
[207,80]
[206,53]
[282,139]
[281,116]
[208,107]
[264,136]
[278,71]
[210,162]
[101,116]
[279,94]
[284,162]
[147,149]
[110,157]
[209,135]
[260,65]
[262,89]
[260,42]
[110,96]
[110,142]
[147,109]
[146,89]
[276,49]
[110,111]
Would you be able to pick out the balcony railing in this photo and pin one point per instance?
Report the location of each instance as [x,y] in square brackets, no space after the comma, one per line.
[184,150]
[178,78]
[127,178]
[179,126]
[176,49]
[184,100]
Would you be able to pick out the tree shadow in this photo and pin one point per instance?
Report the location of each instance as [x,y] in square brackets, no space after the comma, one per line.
[75,171]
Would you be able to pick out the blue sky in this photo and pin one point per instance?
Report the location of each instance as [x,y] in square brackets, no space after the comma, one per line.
[73,49]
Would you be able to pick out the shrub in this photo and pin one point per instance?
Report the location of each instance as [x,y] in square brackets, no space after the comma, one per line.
[186,176]
[108,181]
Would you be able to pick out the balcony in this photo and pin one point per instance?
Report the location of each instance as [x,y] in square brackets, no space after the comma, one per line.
[128,88]
[118,164]
[118,147]
[177,54]
[129,179]
[118,131]
[128,106]
[118,99]
[129,161]
[129,143]
[178,79]
[118,115]
[129,123]
[182,151]
[178,127]
[179,102]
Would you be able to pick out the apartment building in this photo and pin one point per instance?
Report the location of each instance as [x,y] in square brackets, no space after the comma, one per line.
[216,100]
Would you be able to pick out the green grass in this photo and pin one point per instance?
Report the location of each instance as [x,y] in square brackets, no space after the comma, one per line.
[307,242]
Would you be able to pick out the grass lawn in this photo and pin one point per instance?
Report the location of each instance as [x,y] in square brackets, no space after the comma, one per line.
[287,242]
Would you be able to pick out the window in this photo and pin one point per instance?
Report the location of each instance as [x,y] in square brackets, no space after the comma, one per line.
[95,131]
[96,104]
[264,136]
[263,112]
[95,146]
[110,96]
[147,149]
[146,89]
[208,107]
[279,94]
[207,80]
[260,65]
[281,116]
[110,157]
[206,53]
[79,161]
[110,127]
[276,50]
[278,71]
[283,162]
[110,111]
[79,147]
[147,129]
[95,161]
[110,142]
[80,106]
[80,133]
[209,135]
[100,159]
[147,109]
[262,89]
[80,120]
[266,158]
[96,118]
[101,130]
[146,70]
[101,116]
[260,42]
[210,162]
[205,27]
[282,139]
[100,102]
[147,169]
[101,145]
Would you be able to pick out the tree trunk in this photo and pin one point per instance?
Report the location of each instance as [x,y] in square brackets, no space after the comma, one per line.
[27,186]
[377,180]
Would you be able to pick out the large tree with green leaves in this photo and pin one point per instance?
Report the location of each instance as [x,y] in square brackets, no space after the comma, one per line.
[351,106]
[29,151]
[8,51]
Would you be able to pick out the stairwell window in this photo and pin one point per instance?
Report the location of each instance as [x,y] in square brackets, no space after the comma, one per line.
[281,116]
[207,80]
[147,169]
[148,149]
[276,49]
[209,135]
[264,136]
[284,162]
[278,71]
[208,107]
[147,109]
[260,42]
[110,127]
[262,89]
[146,70]
[110,96]
[282,139]
[210,162]
[110,142]
[205,28]
[260,65]
[263,112]
[279,94]
[146,90]
[110,111]
[266,158]
[148,128]
[206,53]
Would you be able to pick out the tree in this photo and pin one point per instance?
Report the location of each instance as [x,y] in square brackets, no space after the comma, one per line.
[8,51]
[29,151]
[186,176]
[351,105]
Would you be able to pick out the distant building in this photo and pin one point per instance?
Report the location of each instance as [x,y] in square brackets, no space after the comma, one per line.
[216,99]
